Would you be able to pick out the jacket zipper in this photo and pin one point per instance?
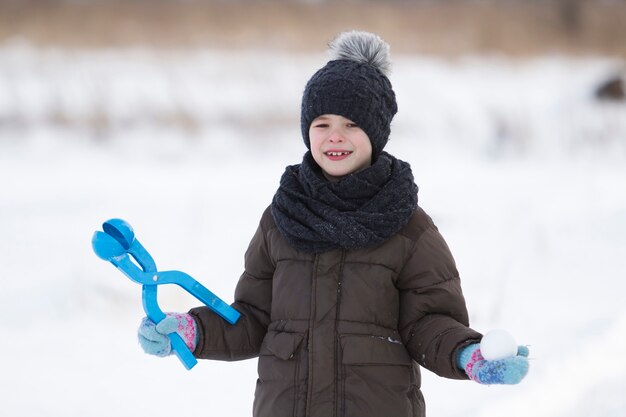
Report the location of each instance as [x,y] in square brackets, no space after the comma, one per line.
[339,395]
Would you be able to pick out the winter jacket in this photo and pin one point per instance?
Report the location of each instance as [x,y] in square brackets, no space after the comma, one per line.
[341,333]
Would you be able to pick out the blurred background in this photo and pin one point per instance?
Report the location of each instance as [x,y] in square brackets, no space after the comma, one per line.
[180,117]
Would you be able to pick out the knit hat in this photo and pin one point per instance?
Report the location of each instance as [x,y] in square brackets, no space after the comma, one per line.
[353,84]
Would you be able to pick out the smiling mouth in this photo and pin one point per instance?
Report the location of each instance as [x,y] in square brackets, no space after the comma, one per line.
[336,156]
[342,153]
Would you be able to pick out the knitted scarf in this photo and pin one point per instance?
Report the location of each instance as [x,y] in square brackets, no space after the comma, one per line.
[359,210]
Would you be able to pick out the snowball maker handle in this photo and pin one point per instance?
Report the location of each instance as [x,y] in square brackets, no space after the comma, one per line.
[154,313]
[118,245]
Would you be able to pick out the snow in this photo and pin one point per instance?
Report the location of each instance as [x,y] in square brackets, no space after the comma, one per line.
[523,172]
[497,344]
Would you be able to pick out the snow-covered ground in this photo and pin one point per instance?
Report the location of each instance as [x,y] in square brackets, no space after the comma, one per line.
[522,170]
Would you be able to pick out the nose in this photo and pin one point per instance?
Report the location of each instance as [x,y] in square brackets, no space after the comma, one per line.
[336,136]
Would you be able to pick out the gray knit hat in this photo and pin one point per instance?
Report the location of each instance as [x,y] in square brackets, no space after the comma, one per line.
[353,84]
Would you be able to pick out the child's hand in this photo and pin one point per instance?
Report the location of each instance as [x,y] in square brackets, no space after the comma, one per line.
[502,371]
[153,338]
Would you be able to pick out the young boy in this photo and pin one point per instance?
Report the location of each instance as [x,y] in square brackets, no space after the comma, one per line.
[348,284]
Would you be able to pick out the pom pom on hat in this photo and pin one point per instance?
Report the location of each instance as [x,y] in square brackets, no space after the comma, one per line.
[354,85]
[363,47]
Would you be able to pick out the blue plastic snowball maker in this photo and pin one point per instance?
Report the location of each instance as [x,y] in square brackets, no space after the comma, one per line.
[117,244]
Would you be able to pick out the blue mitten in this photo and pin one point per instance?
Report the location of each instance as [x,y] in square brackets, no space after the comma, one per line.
[503,371]
[153,338]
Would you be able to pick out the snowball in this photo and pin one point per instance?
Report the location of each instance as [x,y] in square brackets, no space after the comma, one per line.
[498,344]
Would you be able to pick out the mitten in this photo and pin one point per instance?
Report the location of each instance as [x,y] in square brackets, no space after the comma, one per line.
[502,371]
[153,338]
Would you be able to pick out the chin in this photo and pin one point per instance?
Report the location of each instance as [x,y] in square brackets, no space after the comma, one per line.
[339,173]
[334,175]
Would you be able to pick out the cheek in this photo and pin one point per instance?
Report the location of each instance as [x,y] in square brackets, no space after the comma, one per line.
[314,139]
[315,149]
[364,144]
[313,145]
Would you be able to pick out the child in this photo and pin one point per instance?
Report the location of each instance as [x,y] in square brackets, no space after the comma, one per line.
[348,284]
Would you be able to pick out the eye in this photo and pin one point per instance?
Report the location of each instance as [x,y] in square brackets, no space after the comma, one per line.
[351,125]
[320,125]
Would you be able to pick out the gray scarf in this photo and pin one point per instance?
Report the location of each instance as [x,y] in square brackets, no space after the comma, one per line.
[360,210]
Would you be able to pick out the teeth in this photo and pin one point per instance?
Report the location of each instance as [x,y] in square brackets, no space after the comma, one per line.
[337,153]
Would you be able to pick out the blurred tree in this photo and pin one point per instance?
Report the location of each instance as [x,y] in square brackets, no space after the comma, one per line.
[570,12]
[612,89]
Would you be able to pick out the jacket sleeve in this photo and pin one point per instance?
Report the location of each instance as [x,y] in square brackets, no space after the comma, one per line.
[253,296]
[434,322]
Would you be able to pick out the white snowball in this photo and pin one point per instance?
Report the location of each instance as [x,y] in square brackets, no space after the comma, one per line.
[498,344]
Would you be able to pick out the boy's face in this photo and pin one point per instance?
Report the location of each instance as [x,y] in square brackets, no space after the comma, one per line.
[339,146]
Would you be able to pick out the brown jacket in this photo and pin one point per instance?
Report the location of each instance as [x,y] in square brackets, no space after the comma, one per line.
[342,333]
